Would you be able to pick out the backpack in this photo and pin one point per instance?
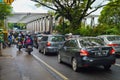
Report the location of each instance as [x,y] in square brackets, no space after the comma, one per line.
[28,41]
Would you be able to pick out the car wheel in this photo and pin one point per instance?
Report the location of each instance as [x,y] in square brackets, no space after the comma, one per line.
[39,51]
[59,58]
[107,67]
[74,64]
[36,47]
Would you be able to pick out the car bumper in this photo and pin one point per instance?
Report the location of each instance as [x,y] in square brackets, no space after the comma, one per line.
[86,61]
[51,50]
[117,50]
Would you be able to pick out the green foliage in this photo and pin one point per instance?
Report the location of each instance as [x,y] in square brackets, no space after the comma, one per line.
[72,10]
[10,25]
[1,35]
[110,14]
[19,25]
[1,24]
[106,29]
[110,18]
[112,31]
[5,10]
[86,31]
[62,28]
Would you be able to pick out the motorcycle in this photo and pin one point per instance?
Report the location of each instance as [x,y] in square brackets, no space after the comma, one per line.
[19,45]
[29,49]
[9,43]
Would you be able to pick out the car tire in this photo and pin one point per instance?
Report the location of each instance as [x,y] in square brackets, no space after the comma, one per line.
[107,67]
[74,64]
[37,47]
[59,58]
[39,51]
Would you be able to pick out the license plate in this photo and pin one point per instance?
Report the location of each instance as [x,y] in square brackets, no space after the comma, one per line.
[19,44]
[101,53]
[29,46]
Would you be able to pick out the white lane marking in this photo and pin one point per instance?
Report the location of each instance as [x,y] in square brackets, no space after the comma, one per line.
[117,64]
[61,75]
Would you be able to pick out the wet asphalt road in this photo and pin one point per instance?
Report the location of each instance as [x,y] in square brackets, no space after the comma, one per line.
[45,67]
[28,67]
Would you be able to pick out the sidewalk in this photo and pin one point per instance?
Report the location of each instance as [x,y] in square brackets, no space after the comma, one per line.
[8,68]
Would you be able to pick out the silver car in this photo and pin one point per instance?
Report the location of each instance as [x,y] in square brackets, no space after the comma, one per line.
[112,40]
[50,43]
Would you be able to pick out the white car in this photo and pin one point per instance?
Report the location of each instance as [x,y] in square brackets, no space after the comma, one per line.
[112,40]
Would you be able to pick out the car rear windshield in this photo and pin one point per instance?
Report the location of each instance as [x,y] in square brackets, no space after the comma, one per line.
[113,38]
[57,38]
[87,42]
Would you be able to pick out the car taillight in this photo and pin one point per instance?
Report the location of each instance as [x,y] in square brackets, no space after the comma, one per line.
[84,53]
[112,51]
[48,44]
[112,44]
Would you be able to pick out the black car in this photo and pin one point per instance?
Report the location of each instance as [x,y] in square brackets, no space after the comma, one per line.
[85,52]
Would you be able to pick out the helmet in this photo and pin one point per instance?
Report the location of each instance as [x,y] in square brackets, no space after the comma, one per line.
[19,35]
[29,35]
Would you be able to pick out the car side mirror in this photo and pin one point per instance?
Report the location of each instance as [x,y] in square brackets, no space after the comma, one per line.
[65,48]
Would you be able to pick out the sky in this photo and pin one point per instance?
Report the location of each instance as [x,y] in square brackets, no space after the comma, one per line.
[27,6]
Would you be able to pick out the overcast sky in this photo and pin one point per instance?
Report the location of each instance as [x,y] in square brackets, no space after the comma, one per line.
[24,6]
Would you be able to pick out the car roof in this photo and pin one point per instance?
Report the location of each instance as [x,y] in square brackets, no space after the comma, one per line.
[107,35]
[53,35]
[82,37]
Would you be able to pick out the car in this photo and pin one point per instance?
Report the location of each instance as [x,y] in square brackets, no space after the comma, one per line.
[50,43]
[36,38]
[86,52]
[113,41]
[39,36]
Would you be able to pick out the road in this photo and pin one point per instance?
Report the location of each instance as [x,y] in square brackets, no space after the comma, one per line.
[45,67]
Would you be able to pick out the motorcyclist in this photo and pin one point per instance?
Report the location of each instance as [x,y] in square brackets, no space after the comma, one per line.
[28,40]
[19,42]
[68,36]
[10,40]
[20,39]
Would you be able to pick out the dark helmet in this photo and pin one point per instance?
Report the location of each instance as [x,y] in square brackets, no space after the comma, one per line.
[29,35]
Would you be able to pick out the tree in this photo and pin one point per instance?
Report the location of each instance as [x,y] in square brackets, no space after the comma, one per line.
[72,10]
[5,10]
[110,15]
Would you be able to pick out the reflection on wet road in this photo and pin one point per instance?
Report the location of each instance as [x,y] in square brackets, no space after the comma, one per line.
[29,68]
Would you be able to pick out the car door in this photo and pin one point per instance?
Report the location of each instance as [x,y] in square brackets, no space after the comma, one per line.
[71,50]
[43,42]
[65,51]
